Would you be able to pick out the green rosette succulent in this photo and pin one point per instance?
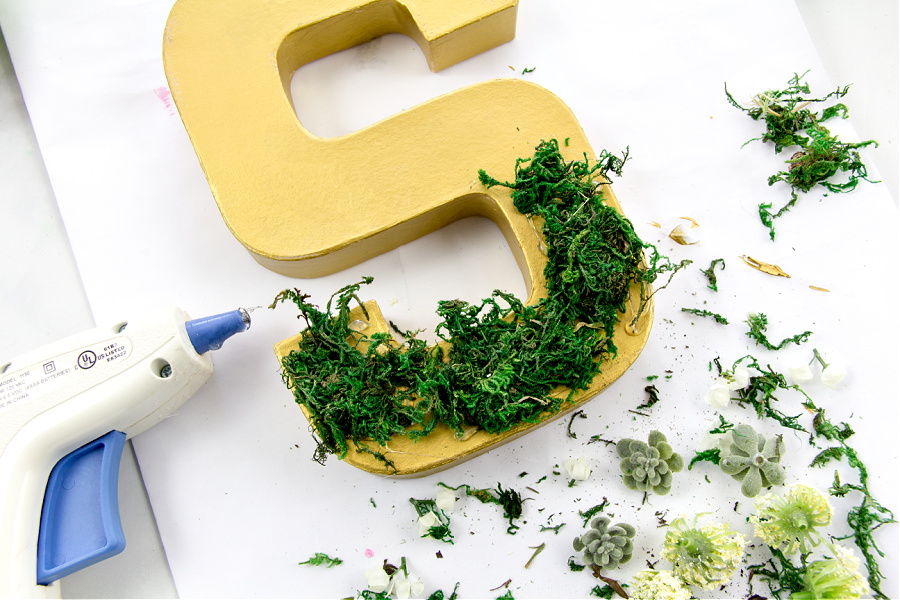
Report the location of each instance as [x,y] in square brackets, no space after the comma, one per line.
[754,460]
[606,546]
[649,466]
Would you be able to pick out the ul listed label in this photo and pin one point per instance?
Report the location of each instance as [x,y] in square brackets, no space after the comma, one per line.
[87,359]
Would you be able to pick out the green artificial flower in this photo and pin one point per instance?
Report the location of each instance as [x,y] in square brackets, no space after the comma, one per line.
[657,585]
[604,546]
[703,556]
[649,466]
[754,460]
[789,523]
[837,577]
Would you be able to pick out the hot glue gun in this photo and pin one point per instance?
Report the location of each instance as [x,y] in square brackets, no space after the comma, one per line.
[65,413]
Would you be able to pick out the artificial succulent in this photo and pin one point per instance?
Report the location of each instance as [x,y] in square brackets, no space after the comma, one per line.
[649,466]
[703,555]
[754,460]
[606,546]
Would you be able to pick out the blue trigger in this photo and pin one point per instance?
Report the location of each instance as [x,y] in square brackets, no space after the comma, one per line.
[80,523]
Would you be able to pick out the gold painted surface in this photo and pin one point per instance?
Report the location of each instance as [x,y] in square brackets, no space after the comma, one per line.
[442,449]
[306,206]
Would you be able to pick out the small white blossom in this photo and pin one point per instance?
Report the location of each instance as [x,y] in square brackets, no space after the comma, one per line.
[401,584]
[739,379]
[719,395]
[684,230]
[445,500]
[577,468]
[833,375]
[722,441]
[427,521]
[801,373]
[377,579]
[404,587]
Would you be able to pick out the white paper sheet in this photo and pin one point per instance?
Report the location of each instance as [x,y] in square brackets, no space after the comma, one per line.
[238,501]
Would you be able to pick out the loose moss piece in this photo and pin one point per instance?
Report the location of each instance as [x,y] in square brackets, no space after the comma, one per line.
[713,455]
[577,413]
[320,559]
[509,499]
[711,275]
[759,323]
[722,427]
[705,313]
[653,399]
[589,513]
[821,155]
[439,594]
[869,515]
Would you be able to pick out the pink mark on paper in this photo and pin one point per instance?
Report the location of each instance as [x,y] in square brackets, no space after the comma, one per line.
[369,553]
[165,95]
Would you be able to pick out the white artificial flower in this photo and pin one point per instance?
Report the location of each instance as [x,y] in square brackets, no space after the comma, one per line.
[404,587]
[684,230]
[719,395]
[377,579]
[722,441]
[739,379]
[801,373]
[577,468]
[833,374]
[445,500]
[427,521]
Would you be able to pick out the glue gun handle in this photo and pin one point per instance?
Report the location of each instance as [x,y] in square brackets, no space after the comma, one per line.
[80,523]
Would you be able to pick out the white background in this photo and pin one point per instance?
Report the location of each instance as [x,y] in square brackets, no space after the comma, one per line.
[238,505]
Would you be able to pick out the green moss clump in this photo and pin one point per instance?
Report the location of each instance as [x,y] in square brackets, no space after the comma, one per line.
[502,359]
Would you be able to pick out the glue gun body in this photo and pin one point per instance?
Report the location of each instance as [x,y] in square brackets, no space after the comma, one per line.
[65,413]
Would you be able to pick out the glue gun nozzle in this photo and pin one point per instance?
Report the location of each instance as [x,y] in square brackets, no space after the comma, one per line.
[209,333]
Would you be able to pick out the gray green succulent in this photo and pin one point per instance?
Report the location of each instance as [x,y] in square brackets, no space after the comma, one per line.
[649,466]
[606,546]
[754,460]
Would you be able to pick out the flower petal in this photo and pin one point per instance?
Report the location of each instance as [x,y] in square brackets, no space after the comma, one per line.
[740,379]
[733,464]
[600,523]
[773,448]
[801,373]
[427,521]
[745,438]
[377,579]
[445,500]
[833,374]
[718,395]
[655,438]
[577,468]
[623,447]
[665,450]
[752,483]
[773,472]
[676,464]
